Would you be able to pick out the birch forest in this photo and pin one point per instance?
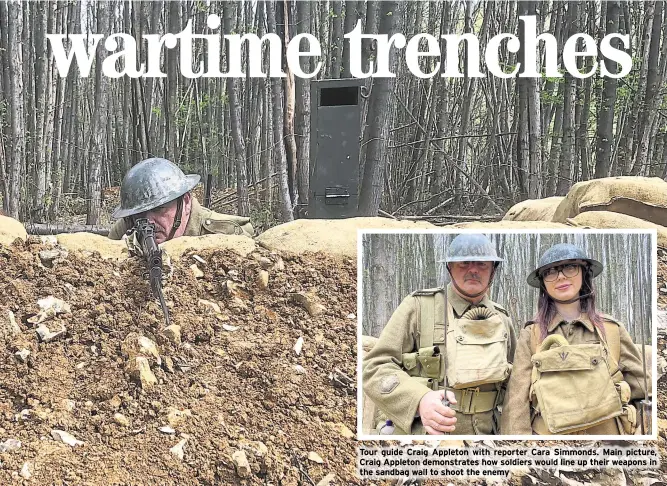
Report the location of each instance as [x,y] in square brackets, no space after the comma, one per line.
[394,265]
[429,147]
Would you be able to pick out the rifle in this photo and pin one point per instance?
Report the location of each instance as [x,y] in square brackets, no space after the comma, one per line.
[141,242]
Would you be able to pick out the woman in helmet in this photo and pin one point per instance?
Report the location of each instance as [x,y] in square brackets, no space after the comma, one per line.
[575,371]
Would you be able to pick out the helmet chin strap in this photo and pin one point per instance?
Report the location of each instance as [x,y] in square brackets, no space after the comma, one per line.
[466,294]
[177,218]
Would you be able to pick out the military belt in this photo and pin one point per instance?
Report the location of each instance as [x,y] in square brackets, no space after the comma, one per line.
[472,400]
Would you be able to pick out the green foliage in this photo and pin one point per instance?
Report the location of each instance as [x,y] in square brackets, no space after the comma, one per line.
[201,6]
[157,111]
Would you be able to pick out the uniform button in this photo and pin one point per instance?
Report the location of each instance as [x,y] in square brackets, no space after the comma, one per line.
[208,221]
[570,331]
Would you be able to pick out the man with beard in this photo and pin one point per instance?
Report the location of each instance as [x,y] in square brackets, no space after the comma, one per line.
[158,190]
[442,362]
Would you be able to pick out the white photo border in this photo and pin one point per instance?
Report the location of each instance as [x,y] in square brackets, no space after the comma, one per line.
[438,438]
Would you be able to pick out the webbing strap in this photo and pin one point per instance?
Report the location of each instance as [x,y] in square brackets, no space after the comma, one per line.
[612,340]
[427,320]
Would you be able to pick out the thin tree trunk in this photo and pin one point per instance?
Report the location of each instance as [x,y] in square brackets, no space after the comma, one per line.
[16,179]
[235,121]
[278,141]
[376,141]
[605,125]
[290,142]
[302,121]
[336,38]
[350,21]
[99,126]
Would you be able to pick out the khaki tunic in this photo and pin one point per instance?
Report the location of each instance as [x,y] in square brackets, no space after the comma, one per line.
[398,394]
[203,221]
[516,416]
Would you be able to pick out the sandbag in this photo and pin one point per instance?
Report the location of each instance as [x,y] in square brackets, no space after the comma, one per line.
[534,209]
[641,197]
[609,220]
[239,244]
[335,237]
[10,229]
[89,242]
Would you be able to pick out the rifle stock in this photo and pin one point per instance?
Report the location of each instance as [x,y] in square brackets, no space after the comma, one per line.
[144,231]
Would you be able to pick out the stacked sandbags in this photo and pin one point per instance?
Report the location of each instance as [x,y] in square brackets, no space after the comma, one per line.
[609,220]
[335,237]
[10,229]
[640,197]
[534,209]
[89,242]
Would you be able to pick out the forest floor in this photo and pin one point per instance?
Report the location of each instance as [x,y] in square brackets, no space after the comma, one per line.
[232,401]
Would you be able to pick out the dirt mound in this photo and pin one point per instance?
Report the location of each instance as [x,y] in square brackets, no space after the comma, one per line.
[176,406]
[533,209]
[10,229]
[330,236]
[609,220]
[641,197]
[501,225]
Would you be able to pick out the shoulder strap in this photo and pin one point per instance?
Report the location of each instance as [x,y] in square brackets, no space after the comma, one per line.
[427,292]
[426,320]
[534,337]
[427,317]
[501,309]
[613,335]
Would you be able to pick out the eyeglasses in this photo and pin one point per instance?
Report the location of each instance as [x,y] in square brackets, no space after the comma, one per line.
[569,270]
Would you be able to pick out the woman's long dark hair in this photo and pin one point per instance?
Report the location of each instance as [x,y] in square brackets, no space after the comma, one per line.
[546,307]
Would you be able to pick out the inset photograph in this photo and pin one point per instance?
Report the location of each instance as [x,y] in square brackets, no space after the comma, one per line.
[506,334]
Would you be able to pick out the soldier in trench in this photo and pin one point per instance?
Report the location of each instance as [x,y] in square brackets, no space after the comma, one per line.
[158,190]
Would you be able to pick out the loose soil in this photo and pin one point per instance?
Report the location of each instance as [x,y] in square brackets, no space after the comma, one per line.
[240,387]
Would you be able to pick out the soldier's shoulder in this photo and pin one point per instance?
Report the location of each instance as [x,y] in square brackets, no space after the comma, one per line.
[427,292]
[500,308]
[528,324]
[611,319]
[117,230]
[218,223]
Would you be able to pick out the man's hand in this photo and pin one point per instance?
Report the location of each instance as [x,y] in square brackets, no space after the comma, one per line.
[436,418]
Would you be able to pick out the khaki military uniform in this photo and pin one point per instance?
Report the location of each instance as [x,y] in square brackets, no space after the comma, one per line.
[397,394]
[203,221]
[518,417]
